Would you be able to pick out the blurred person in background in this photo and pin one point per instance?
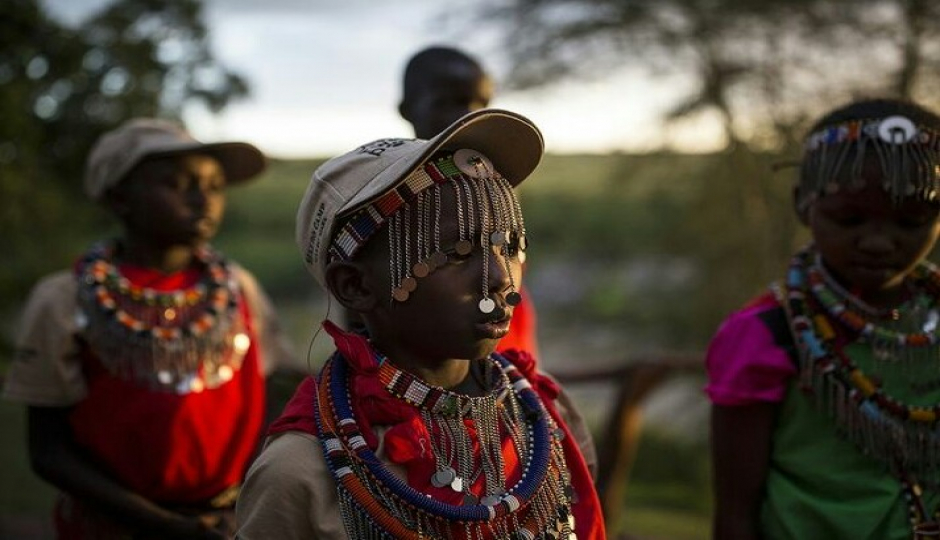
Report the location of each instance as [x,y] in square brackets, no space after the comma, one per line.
[143,367]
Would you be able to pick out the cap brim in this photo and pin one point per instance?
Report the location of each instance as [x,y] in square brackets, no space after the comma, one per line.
[511,141]
[240,161]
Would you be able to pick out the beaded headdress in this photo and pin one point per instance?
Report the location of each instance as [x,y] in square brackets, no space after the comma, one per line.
[487,214]
[908,153]
[347,183]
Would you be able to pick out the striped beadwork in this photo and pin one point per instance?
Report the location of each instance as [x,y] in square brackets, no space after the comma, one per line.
[363,223]
[376,502]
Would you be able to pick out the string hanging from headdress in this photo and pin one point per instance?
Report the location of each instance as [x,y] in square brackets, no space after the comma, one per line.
[487,212]
[835,155]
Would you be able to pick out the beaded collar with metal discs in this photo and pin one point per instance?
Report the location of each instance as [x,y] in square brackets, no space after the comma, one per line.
[375,502]
[901,436]
[435,399]
[184,340]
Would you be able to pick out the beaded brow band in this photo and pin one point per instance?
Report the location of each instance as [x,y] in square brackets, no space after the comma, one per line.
[892,130]
[909,156]
[363,223]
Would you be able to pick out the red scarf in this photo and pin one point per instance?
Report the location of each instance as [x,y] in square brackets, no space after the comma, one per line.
[375,406]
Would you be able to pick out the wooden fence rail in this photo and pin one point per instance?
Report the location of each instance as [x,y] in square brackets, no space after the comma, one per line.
[617,445]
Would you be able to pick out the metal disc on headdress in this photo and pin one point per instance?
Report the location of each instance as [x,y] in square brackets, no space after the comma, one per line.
[499,238]
[409,284]
[421,269]
[400,294]
[896,130]
[513,298]
[473,163]
[487,305]
[469,499]
[438,258]
[463,247]
[457,484]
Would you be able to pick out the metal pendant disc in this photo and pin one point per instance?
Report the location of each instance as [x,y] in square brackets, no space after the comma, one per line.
[400,294]
[457,484]
[487,305]
[421,269]
[443,477]
[463,247]
[409,284]
[513,298]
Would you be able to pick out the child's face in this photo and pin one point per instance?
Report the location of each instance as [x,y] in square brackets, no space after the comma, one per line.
[441,319]
[457,89]
[869,242]
[174,200]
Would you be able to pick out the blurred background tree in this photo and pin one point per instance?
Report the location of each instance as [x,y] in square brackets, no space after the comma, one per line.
[60,88]
[764,68]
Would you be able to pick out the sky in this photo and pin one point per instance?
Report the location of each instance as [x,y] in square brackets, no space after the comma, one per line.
[326,74]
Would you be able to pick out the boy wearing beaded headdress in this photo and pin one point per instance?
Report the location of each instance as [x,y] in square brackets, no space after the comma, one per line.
[422,430]
[826,392]
[143,367]
[441,84]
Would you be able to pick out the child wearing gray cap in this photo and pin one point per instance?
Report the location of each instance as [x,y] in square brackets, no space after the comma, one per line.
[143,367]
[421,430]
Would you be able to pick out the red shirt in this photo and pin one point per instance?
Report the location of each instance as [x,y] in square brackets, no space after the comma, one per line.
[168,447]
[521,336]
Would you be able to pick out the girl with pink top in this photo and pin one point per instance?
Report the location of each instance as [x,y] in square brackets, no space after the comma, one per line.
[826,391]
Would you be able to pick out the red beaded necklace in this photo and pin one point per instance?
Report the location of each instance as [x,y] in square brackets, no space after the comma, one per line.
[184,340]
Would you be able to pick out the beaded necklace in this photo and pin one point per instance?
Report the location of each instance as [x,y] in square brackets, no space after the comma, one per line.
[375,503]
[902,437]
[181,341]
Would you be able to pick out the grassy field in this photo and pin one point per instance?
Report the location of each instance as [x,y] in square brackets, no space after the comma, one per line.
[607,233]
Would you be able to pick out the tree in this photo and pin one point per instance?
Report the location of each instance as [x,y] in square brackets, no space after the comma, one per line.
[764,68]
[61,87]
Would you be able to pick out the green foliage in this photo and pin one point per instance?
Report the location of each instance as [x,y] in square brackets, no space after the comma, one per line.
[60,88]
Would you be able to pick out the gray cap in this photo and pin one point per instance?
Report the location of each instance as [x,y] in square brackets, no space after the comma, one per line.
[348,182]
[118,151]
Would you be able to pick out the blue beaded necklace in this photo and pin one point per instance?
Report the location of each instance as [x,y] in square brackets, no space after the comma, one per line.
[538,502]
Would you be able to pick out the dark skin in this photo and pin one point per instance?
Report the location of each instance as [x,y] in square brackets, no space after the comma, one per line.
[168,207]
[439,331]
[870,244]
[450,90]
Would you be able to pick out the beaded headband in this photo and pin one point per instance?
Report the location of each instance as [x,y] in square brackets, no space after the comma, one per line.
[909,155]
[487,213]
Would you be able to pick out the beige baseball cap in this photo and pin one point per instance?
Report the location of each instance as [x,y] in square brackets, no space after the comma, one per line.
[118,151]
[348,182]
